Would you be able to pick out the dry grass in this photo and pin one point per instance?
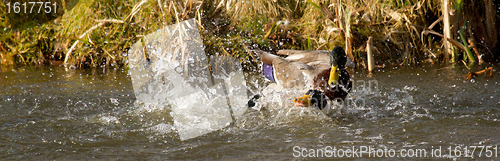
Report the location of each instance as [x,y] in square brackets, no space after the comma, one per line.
[97,32]
[328,23]
[93,33]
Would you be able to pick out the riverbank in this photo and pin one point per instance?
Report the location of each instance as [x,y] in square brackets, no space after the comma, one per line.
[98,33]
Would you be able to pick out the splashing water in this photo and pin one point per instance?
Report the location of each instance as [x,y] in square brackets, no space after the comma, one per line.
[88,114]
[203,94]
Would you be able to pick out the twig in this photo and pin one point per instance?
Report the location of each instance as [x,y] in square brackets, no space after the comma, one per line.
[369,54]
[90,40]
[135,10]
[76,42]
[247,49]
[105,51]
[465,64]
[474,47]
[110,21]
[435,22]
[327,12]
[429,51]
[447,32]
[453,41]
[162,12]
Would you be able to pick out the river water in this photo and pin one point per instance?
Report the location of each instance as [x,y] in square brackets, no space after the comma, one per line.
[53,113]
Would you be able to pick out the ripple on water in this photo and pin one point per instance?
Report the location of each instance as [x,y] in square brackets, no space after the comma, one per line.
[58,118]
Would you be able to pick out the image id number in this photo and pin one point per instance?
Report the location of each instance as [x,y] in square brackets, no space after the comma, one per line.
[32,7]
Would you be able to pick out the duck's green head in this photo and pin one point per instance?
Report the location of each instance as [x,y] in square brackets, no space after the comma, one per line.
[337,61]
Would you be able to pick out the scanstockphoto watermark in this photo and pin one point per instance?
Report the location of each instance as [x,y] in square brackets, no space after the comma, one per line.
[373,152]
[350,152]
[362,89]
[366,86]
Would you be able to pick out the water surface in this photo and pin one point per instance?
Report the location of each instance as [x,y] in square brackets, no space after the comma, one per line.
[54,113]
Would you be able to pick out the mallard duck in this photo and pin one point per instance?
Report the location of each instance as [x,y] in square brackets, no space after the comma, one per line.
[321,72]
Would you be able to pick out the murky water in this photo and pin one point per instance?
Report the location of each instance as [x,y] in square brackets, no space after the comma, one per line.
[52,113]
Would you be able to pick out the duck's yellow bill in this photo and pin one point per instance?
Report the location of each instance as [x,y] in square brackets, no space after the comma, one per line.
[334,76]
[302,101]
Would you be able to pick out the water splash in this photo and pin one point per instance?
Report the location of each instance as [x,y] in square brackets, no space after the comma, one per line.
[170,71]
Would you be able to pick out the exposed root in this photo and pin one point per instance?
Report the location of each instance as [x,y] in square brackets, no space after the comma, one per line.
[472,74]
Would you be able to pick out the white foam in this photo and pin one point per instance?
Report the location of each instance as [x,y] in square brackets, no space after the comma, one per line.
[161,128]
[109,120]
[201,94]
[201,112]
